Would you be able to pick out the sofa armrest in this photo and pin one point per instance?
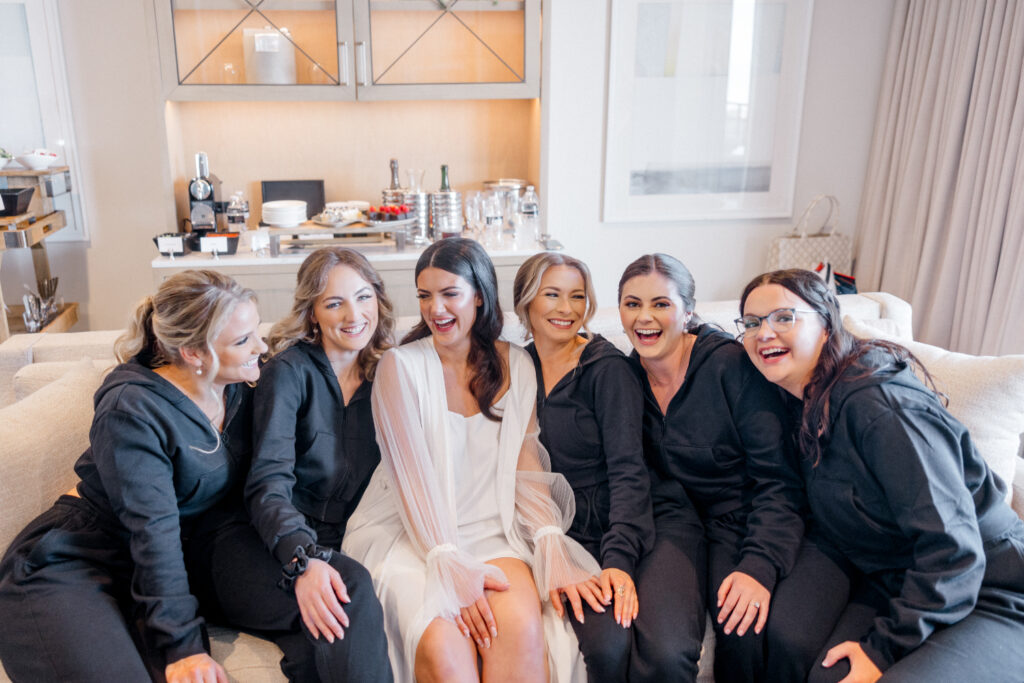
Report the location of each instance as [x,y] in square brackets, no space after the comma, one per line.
[40,439]
[896,309]
[15,352]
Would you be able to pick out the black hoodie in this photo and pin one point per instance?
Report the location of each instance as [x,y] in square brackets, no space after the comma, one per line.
[722,439]
[902,493]
[312,456]
[590,424]
[154,465]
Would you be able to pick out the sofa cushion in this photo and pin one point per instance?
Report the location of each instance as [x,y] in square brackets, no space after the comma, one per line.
[42,436]
[986,394]
[246,657]
[31,378]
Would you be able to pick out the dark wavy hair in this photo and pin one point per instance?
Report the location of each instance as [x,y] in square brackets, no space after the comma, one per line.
[840,352]
[311,281]
[673,270]
[467,259]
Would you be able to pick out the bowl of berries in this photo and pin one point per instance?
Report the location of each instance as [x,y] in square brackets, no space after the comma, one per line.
[391,213]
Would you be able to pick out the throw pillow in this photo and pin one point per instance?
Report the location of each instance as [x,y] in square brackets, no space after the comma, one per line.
[986,394]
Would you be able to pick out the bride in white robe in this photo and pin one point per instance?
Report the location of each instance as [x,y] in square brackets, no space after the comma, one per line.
[429,549]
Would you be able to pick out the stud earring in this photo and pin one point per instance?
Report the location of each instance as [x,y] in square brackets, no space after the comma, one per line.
[199,371]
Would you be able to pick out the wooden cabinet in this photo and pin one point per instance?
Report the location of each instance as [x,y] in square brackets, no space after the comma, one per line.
[349,49]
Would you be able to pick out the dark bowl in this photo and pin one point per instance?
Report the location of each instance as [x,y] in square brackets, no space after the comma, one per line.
[16,201]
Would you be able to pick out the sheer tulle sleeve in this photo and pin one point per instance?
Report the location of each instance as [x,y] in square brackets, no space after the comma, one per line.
[545,507]
[455,579]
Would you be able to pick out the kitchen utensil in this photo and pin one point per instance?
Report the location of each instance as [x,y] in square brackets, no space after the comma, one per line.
[47,287]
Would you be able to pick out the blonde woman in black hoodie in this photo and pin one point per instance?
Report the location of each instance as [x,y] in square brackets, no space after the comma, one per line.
[589,407]
[898,492]
[97,588]
[727,498]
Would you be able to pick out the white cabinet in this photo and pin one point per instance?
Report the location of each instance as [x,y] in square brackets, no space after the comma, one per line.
[349,49]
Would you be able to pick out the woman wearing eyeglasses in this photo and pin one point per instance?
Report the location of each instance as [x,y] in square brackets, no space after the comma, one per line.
[727,498]
[898,491]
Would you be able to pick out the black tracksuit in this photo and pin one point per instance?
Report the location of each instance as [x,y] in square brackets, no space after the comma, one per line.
[590,424]
[727,497]
[312,459]
[903,495]
[96,588]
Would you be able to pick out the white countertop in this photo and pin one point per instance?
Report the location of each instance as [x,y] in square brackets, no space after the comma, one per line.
[382,252]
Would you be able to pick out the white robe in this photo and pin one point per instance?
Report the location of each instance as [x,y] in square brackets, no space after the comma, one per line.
[411,549]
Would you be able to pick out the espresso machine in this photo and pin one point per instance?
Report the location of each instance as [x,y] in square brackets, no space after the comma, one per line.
[203,198]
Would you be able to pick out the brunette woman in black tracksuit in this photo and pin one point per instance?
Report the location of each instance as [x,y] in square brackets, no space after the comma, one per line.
[98,588]
[727,494]
[589,408]
[313,453]
[898,495]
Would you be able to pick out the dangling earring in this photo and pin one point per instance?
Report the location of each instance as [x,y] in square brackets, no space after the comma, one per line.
[199,371]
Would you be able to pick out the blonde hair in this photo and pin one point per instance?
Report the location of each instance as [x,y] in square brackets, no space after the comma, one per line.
[311,282]
[188,311]
[527,284]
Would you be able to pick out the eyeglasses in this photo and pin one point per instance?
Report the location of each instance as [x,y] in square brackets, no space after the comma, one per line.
[780,320]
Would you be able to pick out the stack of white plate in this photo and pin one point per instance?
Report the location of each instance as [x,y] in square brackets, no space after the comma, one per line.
[284,213]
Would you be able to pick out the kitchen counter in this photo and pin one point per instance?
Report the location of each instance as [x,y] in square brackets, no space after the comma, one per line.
[273,278]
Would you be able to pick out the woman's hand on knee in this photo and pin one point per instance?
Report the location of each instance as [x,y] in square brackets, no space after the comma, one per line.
[589,590]
[320,592]
[862,669]
[742,600]
[477,620]
[618,585]
[200,668]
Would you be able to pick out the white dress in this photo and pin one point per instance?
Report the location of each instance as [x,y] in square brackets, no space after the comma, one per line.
[453,492]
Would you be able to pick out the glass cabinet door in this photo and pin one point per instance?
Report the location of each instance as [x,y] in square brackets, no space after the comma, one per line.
[446,49]
[252,44]
[349,49]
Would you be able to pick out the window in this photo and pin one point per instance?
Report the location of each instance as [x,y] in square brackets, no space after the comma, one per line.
[37,106]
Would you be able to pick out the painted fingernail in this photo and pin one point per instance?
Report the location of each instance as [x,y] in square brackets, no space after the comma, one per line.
[494,632]
[487,642]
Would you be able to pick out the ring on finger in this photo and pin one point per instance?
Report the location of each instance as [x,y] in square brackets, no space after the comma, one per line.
[621,590]
[756,604]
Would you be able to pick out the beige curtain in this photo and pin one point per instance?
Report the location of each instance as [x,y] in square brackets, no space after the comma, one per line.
[942,220]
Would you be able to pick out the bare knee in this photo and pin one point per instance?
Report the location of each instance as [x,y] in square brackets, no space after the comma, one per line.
[521,623]
[444,654]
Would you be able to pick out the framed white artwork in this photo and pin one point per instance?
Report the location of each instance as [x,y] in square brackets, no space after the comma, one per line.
[704,105]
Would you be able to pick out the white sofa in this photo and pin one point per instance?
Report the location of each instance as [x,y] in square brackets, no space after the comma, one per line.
[47,382]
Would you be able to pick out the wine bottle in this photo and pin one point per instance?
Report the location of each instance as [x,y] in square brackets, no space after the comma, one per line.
[395,183]
[445,187]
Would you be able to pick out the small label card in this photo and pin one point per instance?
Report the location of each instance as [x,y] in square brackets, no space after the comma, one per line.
[170,245]
[259,239]
[214,244]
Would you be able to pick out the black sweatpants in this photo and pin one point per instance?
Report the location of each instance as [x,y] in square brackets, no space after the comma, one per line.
[66,610]
[242,579]
[604,644]
[678,583]
[987,645]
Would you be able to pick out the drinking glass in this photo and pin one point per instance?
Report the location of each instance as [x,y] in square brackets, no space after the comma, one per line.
[415,176]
